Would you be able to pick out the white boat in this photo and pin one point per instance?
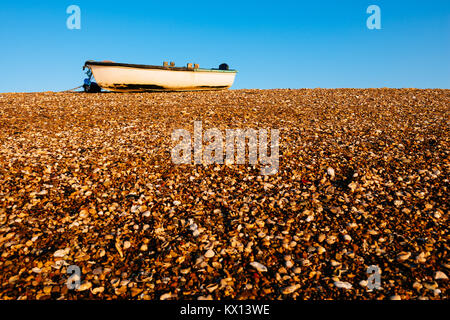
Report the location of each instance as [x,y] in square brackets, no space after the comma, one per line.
[125,77]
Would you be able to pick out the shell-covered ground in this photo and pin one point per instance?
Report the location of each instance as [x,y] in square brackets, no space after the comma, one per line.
[87,180]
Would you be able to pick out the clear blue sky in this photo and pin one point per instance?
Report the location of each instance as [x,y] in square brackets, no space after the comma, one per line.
[273,44]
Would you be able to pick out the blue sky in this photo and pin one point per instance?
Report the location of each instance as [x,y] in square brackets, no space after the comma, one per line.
[273,44]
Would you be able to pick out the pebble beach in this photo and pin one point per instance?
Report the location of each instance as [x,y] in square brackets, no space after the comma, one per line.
[87,180]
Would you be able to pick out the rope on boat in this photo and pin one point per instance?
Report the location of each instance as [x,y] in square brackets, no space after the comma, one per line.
[72,90]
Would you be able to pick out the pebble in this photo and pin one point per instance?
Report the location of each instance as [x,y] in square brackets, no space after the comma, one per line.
[60,253]
[439,275]
[258,266]
[212,287]
[146,214]
[97,290]
[331,172]
[343,285]
[403,256]
[209,254]
[321,250]
[290,289]
[417,285]
[165,296]
[126,245]
[353,186]
[85,286]
[335,263]
[421,258]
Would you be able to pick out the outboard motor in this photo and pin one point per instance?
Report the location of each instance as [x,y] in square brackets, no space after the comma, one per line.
[224,66]
[89,86]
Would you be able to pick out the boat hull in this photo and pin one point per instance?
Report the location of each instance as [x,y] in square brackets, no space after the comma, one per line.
[138,78]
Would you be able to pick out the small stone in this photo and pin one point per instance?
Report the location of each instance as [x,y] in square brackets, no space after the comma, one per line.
[60,253]
[403,256]
[343,285]
[290,289]
[430,285]
[331,172]
[335,263]
[146,214]
[395,297]
[84,213]
[282,270]
[305,262]
[421,258]
[212,287]
[331,239]
[439,275]
[85,286]
[98,290]
[165,296]
[209,254]
[126,245]
[417,285]
[185,271]
[398,203]
[258,266]
[352,186]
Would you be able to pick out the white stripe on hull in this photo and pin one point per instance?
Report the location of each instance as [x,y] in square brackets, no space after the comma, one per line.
[120,78]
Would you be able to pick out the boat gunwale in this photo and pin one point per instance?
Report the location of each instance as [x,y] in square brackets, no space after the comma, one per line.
[145,66]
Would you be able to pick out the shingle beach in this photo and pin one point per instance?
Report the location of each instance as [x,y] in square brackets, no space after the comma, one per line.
[87,180]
